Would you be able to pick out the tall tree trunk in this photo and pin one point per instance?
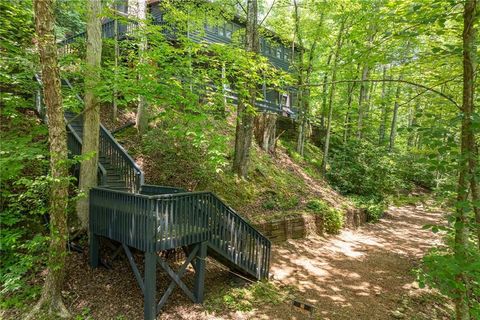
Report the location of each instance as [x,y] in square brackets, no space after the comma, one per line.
[139,8]
[115,80]
[468,159]
[51,297]
[325,93]
[300,75]
[244,128]
[385,110]
[368,106]
[362,100]
[393,128]
[331,96]
[412,124]
[346,124]
[265,131]
[91,117]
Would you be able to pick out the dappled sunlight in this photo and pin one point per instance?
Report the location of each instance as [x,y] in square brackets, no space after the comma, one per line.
[347,276]
[351,270]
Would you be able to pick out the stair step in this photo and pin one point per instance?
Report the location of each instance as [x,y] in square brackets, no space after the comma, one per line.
[125,189]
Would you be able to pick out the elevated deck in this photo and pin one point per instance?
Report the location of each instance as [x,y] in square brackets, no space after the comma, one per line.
[153,218]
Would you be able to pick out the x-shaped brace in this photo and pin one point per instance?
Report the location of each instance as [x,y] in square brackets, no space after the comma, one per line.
[176,278]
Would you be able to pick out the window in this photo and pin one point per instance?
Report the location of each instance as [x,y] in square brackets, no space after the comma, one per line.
[286,54]
[209,27]
[228,30]
[279,53]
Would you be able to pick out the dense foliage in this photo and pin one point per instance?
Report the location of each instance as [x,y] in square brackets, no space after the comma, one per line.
[380,110]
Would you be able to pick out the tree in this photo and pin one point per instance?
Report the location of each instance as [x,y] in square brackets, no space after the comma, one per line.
[468,158]
[91,116]
[304,73]
[51,297]
[139,11]
[245,113]
[265,123]
[393,127]
[336,58]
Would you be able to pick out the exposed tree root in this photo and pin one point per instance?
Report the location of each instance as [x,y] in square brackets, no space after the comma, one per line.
[49,308]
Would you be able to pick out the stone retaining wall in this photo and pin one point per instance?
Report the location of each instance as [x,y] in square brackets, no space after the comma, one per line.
[296,227]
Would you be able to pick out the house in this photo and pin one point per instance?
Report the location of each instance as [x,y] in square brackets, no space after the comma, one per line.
[272,47]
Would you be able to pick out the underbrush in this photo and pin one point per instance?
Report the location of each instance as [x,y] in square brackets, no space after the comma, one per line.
[441,268]
[24,187]
[246,298]
[195,153]
[332,218]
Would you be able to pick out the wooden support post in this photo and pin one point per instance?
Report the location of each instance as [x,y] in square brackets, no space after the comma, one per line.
[150,280]
[93,251]
[200,272]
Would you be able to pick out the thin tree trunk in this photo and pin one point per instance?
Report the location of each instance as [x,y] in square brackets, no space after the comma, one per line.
[304,72]
[383,116]
[412,125]
[393,128]
[362,99]
[245,118]
[325,93]
[331,96]
[468,156]
[91,116]
[116,54]
[368,106]
[51,297]
[141,121]
[346,124]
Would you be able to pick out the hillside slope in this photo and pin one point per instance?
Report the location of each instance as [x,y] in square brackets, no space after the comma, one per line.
[279,185]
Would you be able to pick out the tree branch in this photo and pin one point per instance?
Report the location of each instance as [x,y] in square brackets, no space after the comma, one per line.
[424,91]
[391,80]
[243,8]
[268,12]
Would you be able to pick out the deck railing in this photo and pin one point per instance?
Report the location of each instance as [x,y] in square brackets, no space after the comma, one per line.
[116,156]
[74,141]
[153,223]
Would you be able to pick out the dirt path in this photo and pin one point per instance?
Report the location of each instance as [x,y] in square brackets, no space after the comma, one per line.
[359,274]
[364,273]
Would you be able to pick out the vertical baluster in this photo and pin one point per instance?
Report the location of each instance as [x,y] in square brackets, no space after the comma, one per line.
[171,222]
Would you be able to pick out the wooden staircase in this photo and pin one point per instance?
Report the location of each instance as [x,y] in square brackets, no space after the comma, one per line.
[152,218]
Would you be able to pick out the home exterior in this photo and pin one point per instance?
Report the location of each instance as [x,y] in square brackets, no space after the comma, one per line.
[279,55]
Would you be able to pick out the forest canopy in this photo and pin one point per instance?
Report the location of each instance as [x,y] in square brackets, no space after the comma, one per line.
[327,110]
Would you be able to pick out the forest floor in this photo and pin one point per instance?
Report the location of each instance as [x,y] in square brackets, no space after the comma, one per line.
[365,273]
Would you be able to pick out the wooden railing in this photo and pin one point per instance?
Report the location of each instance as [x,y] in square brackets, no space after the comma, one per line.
[174,220]
[74,141]
[120,160]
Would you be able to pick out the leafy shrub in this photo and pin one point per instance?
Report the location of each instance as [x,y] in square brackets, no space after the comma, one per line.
[332,218]
[361,168]
[185,150]
[24,188]
[317,205]
[374,207]
[441,268]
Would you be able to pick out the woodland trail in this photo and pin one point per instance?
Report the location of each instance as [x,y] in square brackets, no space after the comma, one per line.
[364,273]
[359,274]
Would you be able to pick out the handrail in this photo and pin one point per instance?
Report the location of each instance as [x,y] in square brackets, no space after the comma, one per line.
[135,181]
[230,209]
[41,110]
[180,219]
